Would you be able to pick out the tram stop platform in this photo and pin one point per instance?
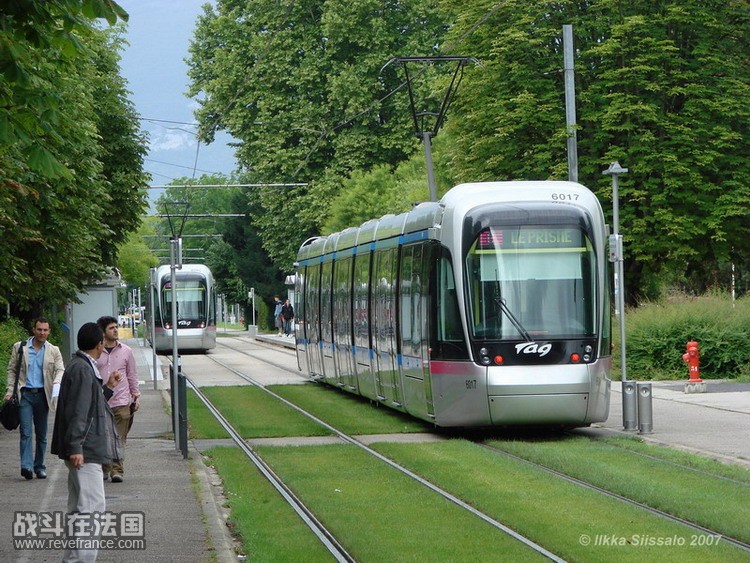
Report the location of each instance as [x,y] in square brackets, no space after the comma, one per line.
[179,499]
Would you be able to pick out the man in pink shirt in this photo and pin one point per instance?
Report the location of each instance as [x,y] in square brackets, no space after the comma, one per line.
[118,358]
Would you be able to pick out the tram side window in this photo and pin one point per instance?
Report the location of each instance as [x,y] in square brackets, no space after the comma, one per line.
[414,299]
[449,319]
[341,298]
[312,303]
[326,282]
[300,299]
[361,301]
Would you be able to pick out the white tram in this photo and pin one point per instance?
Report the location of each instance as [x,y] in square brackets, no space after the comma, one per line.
[489,307]
[196,309]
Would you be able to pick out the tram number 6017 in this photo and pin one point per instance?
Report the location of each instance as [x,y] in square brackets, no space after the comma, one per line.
[471,383]
[564,197]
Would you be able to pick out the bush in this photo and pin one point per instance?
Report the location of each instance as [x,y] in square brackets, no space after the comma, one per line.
[10,332]
[658,332]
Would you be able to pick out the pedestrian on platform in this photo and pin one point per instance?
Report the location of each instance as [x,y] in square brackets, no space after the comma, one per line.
[84,435]
[287,315]
[278,321]
[117,357]
[37,365]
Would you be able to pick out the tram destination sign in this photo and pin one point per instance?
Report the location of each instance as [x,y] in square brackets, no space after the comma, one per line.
[530,238]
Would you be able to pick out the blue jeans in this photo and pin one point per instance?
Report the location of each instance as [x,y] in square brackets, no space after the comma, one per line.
[33,409]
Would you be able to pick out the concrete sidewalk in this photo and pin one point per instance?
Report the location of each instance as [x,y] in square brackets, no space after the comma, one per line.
[714,424]
[182,519]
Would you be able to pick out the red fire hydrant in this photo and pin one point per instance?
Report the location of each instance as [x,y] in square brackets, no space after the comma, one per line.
[692,359]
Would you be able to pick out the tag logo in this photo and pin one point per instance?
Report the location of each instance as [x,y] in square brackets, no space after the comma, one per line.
[184,323]
[533,348]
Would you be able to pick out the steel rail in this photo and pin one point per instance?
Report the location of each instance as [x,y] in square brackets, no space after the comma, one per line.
[323,534]
[443,493]
[616,496]
[656,511]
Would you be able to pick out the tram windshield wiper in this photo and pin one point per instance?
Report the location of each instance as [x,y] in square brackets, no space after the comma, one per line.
[500,302]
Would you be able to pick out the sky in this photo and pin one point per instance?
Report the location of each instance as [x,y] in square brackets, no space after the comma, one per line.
[159,33]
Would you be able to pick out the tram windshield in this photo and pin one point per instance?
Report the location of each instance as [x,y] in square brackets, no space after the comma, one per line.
[528,282]
[191,301]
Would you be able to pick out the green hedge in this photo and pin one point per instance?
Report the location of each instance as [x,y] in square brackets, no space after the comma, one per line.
[10,332]
[657,334]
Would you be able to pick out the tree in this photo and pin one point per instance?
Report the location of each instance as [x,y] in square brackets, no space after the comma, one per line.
[300,86]
[372,194]
[236,258]
[54,176]
[663,87]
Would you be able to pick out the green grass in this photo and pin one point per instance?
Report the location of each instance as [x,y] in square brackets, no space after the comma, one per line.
[256,414]
[251,411]
[718,504]
[382,515]
[549,510]
[349,413]
[270,530]
[201,423]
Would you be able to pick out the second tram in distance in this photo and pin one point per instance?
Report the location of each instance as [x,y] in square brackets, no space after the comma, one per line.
[196,309]
[489,307]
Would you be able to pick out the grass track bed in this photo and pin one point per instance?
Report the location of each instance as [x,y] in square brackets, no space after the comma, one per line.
[382,515]
[251,411]
[717,504]
[349,413]
[269,528]
[550,511]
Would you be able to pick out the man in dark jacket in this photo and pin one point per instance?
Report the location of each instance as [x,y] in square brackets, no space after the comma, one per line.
[84,435]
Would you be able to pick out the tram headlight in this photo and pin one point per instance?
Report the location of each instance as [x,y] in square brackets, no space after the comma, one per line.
[483,351]
[486,360]
[587,351]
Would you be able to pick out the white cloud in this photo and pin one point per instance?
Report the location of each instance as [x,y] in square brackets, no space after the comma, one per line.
[171,140]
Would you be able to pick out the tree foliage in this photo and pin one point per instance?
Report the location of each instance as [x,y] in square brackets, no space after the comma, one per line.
[230,246]
[300,85]
[70,154]
[663,87]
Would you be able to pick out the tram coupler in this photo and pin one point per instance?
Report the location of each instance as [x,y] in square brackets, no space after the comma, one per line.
[692,358]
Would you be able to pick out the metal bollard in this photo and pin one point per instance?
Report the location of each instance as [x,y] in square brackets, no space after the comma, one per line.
[629,406]
[645,413]
[182,382]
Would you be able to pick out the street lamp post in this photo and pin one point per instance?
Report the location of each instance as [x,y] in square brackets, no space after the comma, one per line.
[629,398]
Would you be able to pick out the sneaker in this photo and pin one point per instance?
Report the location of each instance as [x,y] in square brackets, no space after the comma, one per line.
[117,478]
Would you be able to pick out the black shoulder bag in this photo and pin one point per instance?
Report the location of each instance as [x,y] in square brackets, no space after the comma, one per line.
[9,413]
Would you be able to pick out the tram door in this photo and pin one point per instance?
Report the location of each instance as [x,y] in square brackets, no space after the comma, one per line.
[384,324]
[414,329]
[312,320]
[363,356]
[342,323]
[326,322]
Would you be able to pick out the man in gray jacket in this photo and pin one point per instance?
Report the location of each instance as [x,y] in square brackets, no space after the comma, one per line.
[84,434]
